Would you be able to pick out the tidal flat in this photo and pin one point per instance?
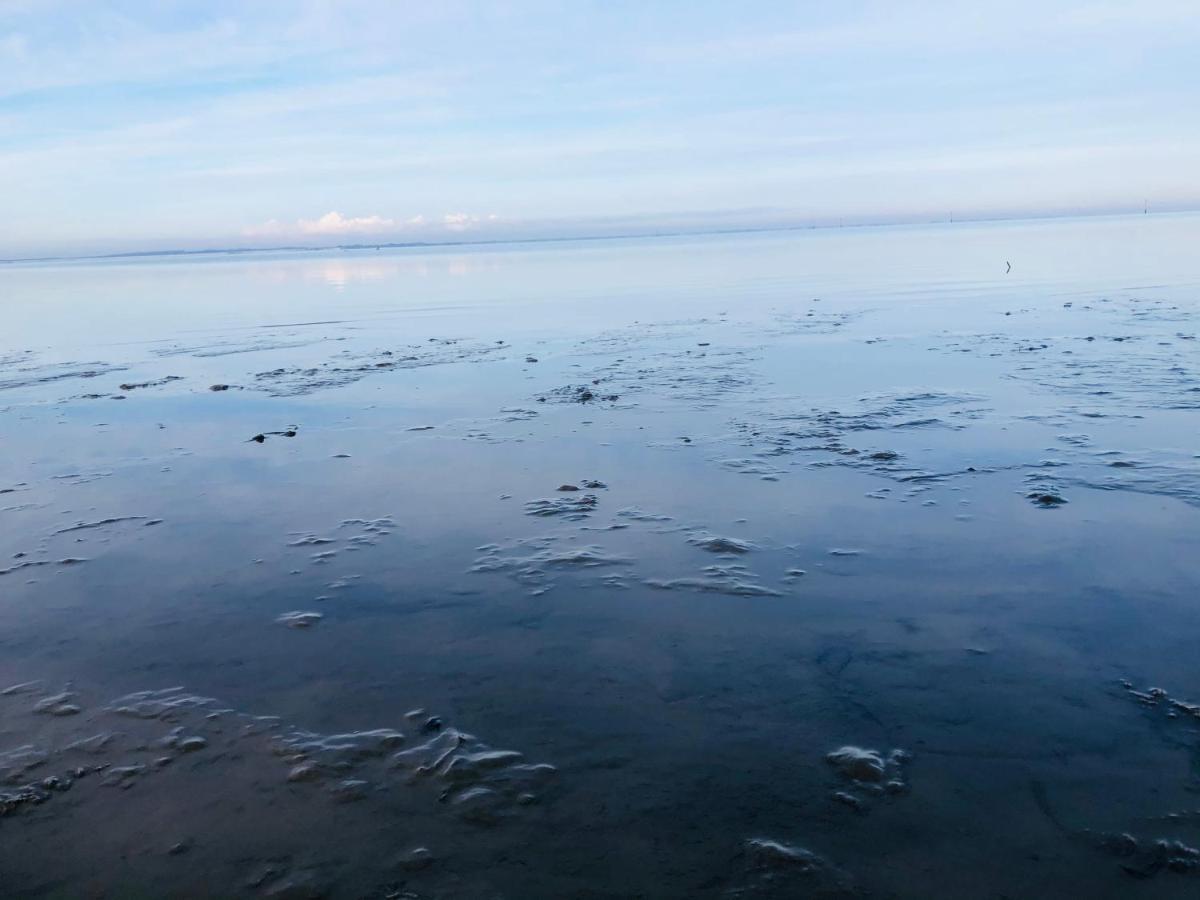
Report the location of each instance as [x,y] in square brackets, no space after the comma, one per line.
[817,563]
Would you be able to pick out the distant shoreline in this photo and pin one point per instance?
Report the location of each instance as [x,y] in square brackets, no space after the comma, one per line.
[418,245]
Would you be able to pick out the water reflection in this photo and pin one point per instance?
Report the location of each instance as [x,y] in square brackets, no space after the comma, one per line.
[360,269]
[675,568]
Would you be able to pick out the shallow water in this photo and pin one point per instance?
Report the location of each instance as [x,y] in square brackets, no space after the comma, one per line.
[815,563]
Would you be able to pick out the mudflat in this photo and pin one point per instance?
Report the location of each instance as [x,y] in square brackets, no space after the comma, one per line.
[806,563]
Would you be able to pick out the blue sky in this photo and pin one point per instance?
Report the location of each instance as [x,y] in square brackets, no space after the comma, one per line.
[129,125]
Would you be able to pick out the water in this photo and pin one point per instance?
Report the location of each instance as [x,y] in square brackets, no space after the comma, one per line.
[856,488]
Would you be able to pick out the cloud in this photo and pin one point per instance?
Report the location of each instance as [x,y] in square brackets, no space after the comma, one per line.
[334,224]
[464,221]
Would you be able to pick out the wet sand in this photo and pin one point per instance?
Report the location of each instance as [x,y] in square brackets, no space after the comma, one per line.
[831,563]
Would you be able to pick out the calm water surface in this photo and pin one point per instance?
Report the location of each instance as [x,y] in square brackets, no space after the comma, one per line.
[850,488]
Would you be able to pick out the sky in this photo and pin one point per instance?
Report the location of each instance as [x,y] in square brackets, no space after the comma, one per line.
[127,125]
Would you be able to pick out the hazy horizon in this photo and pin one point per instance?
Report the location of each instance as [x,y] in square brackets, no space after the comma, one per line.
[584,232]
[128,128]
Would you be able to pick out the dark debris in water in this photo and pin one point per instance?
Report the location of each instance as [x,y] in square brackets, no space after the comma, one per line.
[156,382]
[262,436]
[578,394]
[1046,499]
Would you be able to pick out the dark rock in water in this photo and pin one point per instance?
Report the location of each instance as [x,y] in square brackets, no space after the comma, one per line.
[259,438]
[593,485]
[531,359]
[1045,499]
[219,387]
[568,487]
[577,394]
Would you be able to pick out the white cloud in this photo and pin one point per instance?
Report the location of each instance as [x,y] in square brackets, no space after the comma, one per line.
[334,224]
[464,221]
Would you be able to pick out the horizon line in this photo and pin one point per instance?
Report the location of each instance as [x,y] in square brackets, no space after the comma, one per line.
[483,242]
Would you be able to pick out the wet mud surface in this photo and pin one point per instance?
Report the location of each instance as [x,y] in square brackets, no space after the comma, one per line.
[811,565]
